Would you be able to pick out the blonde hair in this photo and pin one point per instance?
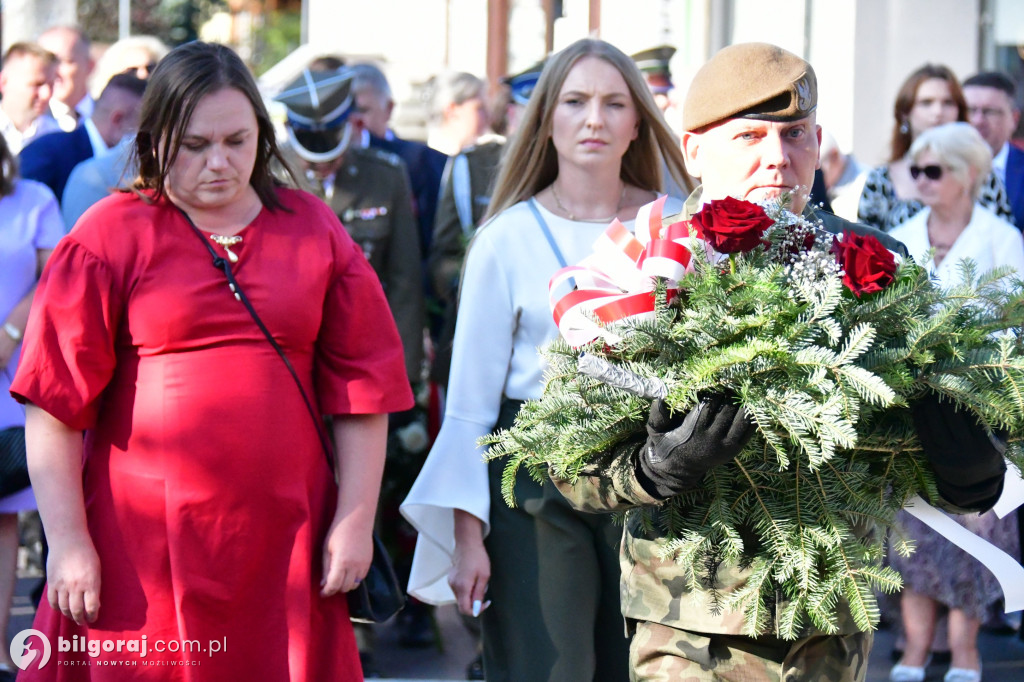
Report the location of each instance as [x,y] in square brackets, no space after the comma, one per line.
[112,62]
[530,163]
[960,148]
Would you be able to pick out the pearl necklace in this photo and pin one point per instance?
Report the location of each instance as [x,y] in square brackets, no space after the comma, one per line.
[571,216]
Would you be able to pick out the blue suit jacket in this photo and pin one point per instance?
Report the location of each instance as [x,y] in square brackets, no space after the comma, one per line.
[426,166]
[50,158]
[1015,184]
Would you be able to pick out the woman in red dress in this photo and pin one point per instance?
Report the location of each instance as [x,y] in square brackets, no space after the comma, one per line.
[197,533]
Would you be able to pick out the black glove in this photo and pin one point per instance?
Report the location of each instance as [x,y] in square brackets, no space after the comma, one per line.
[967,460]
[680,449]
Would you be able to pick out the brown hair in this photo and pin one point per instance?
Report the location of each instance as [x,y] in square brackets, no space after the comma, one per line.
[907,95]
[23,49]
[531,163]
[182,78]
[8,169]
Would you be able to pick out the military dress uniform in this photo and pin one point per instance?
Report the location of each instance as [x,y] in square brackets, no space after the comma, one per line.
[369,190]
[370,194]
[465,196]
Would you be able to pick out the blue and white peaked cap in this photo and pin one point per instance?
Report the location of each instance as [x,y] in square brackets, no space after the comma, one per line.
[521,85]
[318,105]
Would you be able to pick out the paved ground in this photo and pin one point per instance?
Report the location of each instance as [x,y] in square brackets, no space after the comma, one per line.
[1003,654]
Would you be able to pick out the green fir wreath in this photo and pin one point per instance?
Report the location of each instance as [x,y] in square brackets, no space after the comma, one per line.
[826,349]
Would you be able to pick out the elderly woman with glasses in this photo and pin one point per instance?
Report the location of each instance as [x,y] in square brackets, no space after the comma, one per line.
[948,164]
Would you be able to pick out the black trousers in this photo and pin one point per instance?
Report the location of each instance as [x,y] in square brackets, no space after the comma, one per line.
[555,613]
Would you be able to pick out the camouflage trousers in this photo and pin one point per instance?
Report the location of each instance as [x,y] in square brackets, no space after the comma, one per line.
[661,653]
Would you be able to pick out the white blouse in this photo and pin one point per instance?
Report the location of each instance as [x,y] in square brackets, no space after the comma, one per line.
[988,240]
[504,319]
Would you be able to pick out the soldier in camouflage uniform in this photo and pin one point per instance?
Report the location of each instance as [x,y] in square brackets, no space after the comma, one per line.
[752,135]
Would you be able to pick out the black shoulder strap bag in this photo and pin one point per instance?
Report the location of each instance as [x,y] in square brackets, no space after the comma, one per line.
[379,596]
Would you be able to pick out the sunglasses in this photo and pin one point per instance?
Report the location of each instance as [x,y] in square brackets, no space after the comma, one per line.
[932,172]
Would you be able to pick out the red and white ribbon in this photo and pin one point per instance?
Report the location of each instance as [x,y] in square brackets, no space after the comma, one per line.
[616,282]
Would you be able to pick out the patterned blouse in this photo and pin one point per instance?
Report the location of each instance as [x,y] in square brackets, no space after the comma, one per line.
[880,207]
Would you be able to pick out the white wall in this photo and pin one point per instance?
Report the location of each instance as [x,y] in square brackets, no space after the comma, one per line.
[26,19]
[893,38]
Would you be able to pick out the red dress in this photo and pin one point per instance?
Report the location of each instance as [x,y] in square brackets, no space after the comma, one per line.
[207,492]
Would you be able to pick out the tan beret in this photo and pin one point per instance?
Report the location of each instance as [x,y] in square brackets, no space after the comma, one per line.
[750,80]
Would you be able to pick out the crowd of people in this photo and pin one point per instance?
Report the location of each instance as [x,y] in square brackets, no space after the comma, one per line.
[211,447]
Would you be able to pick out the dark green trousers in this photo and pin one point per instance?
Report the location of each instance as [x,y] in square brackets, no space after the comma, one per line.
[554,587]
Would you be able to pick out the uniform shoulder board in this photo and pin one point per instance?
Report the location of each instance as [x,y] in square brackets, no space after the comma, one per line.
[387,157]
[484,144]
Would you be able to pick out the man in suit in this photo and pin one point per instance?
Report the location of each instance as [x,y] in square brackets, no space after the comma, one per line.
[373,107]
[26,85]
[71,104]
[51,158]
[992,109]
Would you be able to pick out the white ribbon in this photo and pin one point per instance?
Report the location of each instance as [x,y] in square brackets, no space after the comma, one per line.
[1013,492]
[1007,570]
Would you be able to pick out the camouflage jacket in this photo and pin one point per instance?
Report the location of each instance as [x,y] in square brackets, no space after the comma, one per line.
[653,589]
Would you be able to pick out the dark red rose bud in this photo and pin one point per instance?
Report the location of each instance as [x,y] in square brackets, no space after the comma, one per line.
[732,225]
[867,265]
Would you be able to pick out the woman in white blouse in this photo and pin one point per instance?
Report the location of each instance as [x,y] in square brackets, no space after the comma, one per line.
[590,148]
[948,163]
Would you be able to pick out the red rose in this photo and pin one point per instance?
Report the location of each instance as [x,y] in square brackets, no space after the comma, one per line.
[867,265]
[732,225]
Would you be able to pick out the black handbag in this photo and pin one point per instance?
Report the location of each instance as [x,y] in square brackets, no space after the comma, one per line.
[13,465]
[379,596]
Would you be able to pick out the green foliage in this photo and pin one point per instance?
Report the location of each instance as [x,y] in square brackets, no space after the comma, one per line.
[827,378]
[279,35]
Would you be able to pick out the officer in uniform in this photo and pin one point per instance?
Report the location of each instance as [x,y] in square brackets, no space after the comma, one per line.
[465,194]
[750,133]
[369,191]
[653,64]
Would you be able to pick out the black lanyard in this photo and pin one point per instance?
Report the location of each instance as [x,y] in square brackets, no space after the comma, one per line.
[222,264]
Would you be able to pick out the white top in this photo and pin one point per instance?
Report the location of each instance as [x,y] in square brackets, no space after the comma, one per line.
[988,240]
[999,162]
[16,139]
[67,121]
[504,319]
[29,221]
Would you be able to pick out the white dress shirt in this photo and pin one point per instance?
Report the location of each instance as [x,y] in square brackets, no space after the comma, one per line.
[17,139]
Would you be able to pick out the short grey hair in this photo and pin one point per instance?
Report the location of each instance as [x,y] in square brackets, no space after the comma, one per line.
[960,148]
[455,88]
[367,76]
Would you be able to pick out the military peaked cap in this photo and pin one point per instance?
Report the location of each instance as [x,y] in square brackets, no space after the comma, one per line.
[751,80]
[521,85]
[318,100]
[653,63]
